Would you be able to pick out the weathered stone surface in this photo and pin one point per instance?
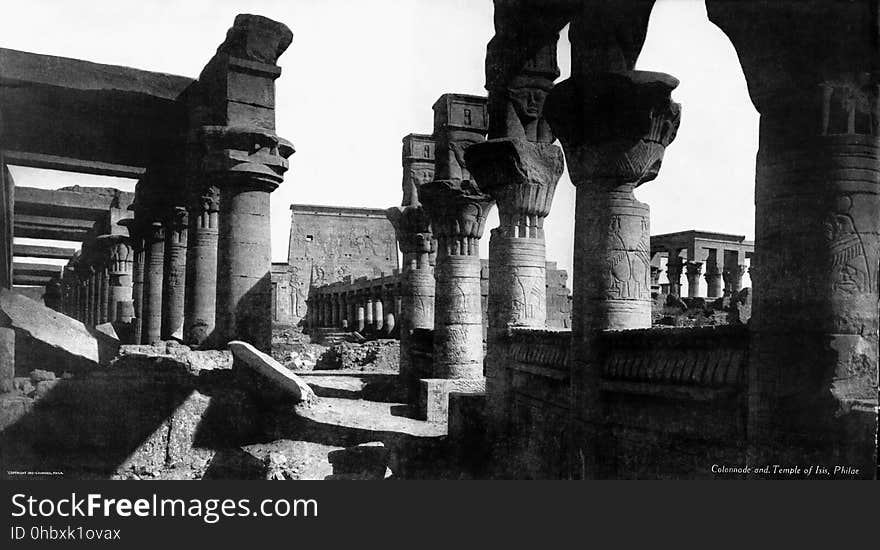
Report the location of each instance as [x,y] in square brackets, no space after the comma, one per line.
[7,359]
[56,330]
[433,404]
[12,408]
[273,371]
[107,328]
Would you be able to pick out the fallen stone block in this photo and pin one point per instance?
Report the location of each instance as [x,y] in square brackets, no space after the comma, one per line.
[434,395]
[107,328]
[40,375]
[364,461]
[270,369]
[63,335]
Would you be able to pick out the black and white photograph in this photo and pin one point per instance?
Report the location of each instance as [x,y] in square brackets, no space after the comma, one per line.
[439,240]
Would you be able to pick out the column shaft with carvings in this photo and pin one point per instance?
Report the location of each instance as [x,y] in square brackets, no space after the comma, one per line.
[674,268]
[154,265]
[199,317]
[614,124]
[136,233]
[519,168]
[813,362]
[120,308]
[174,273]
[413,229]
[457,209]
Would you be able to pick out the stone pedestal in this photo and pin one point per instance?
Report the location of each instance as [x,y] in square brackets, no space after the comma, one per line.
[199,314]
[151,327]
[521,176]
[693,269]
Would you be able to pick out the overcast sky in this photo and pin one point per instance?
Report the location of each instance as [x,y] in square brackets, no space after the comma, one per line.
[360,75]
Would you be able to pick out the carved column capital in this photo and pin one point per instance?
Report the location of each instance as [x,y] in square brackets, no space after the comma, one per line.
[413,229]
[459,121]
[241,155]
[693,269]
[457,211]
[616,126]
[120,253]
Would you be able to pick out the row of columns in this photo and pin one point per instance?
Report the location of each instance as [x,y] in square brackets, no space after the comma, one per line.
[719,282]
[96,285]
[197,256]
[372,310]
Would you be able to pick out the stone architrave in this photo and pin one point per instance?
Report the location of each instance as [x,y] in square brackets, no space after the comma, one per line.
[813,359]
[614,123]
[199,316]
[151,326]
[174,273]
[417,246]
[693,271]
[237,149]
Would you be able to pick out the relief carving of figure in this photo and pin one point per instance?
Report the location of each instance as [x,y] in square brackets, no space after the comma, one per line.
[414,177]
[849,264]
[525,109]
[629,269]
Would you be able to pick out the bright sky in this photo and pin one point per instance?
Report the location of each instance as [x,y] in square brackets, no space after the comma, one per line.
[361,75]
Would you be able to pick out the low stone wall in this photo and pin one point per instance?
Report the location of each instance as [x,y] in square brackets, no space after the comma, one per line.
[674,402]
[540,388]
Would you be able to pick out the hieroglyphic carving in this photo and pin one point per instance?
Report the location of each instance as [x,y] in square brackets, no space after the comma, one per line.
[629,265]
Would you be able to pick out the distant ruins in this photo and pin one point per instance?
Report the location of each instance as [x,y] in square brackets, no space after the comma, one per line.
[498,377]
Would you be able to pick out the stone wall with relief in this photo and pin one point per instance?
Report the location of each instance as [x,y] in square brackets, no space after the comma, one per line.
[328,243]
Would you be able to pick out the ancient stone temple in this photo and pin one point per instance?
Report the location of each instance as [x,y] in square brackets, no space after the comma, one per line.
[329,243]
[150,262]
[500,370]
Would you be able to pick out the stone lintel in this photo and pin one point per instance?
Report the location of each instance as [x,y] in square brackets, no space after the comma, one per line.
[43,227]
[46,252]
[75,204]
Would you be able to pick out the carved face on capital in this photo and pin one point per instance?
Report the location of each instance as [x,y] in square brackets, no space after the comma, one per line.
[419,176]
[528,101]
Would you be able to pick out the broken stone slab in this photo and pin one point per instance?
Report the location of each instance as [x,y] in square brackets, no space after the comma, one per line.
[57,331]
[364,461]
[107,328]
[268,368]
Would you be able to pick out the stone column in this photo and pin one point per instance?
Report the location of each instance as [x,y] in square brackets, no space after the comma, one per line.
[814,325]
[154,243]
[174,273]
[655,278]
[521,176]
[7,359]
[136,238]
[199,312]
[416,244]
[233,124]
[368,311]
[614,124]
[119,308]
[713,282]
[378,314]
[360,318]
[104,303]
[674,268]
[694,269]
[458,214]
